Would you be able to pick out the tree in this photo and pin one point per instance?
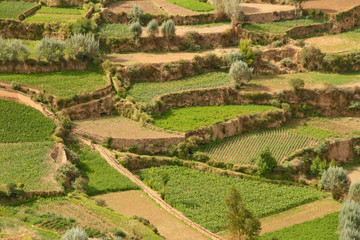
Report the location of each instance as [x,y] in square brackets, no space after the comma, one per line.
[241,222]
[153,28]
[232,8]
[240,72]
[136,14]
[349,221]
[136,31]
[168,29]
[354,192]
[82,46]
[266,163]
[335,180]
[318,166]
[50,48]
[75,233]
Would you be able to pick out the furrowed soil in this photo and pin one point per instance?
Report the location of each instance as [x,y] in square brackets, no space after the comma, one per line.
[331,6]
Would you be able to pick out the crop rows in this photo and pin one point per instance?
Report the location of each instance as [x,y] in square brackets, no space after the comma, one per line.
[51,14]
[244,148]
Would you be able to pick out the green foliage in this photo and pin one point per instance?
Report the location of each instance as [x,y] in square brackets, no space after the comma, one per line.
[102,178]
[54,14]
[247,51]
[354,192]
[287,62]
[194,5]
[192,118]
[311,57]
[349,220]
[186,148]
[114,30]
[318,166]
[232,57]
[200,196]
[136,14]
[60,84]
[201,157]
[275,102]
[152,28]
[13,9]
[50,48]
[84,25]
[135,30]
[66,174]
[240,72]
[75,234]
[266,163]
[319,228]
[296,83]
[83,46]
[335,180]
[168,29]
[355,105]
[13,50]
[242,149]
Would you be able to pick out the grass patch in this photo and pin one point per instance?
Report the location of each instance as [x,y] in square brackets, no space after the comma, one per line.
[200,196]
[52,14]
[147,91]
[20,123]
[280,27]
[102,177]
[114,30]
[60,84]
[245,148]
[319,228]
[13,9]
[193,5]
[192,118]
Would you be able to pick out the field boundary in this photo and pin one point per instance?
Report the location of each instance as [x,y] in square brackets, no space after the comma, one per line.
[23,87]
[151,193]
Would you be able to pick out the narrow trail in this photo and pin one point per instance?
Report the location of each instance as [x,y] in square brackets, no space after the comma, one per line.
[151,193]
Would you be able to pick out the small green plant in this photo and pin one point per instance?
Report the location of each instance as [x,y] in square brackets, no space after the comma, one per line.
[75,234]
[296,83]
[153,28]
[232,57]
[318,166]
[240,72]
[287,62]
[336,181]
[168,29]
[247,51]
[201,157]
[84,25]
[266,163]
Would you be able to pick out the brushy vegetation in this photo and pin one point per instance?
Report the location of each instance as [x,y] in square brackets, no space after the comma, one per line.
[20,123]
[114,30]
[200,196]
[192,118]
[52,14]
[13,9]
[60,84]
[280,27]
[244,149]
[101,176]
[147,91]
[193,5]
[319,228]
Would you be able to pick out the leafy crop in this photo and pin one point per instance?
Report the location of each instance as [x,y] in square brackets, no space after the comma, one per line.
[60,84]
[147,91]
[192,118]
[242,149]
[20,123]
[114,30]
[14,9]
[52,14]
[200,196]
[193,5]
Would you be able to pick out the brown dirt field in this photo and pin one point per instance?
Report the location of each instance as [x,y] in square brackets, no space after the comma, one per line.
[331,6]
[135,202]
[341,125]
[296,215]
[125,6]
[173,9]
[354,174]
[143,58]
[255,8]
[119,127]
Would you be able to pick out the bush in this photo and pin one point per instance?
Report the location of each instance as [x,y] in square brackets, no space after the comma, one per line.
[80,184]
[247,51]
[349,220]
[336,181]
[82,46]
[188,147]
[232,57]
[311,57]
[287,62]
[135,31]
[296,83]
[318,166]
[168,29]
[84,25]
[266,163]
[354,192]
[240,72]
[201,157]
[136,14]
[75,233]
[13,50]
[153,28]
[354,105]
[50,48]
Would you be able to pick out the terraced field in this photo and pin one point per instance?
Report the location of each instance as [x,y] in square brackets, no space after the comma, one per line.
[53,14]
[11,9]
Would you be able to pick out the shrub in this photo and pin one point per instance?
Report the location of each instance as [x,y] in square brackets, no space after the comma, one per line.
[153,28]
[168,29]
[318,166]
[287,62]
[190,43]
[50,48]
[75,233]
[201,157]
[277,43]
[296,83]
[247,51]
[336,181]
[311,57]
[136,14]
[82,46]
[232,57]
[83,25]
[188,147]
[80,184]
[354,105]
[240,72]
[135,31]
[266,163]
[354,192]
[15,86]
[349,220]
[66,174]
[13,50]
[275,102]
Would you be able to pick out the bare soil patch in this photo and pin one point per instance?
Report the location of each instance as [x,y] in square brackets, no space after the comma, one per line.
[125,6]
[255,8]
[354,174]
[331,6]
[173,9]
[119,127]
[132,203]
[329,44]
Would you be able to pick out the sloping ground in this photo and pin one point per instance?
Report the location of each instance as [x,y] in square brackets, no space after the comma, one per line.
[132,203]
[331,6]
[254,8]
[119,127]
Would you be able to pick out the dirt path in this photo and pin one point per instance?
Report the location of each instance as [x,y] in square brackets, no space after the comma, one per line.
[256,8]
[331,6]
[296,215]
[137,203]
[354,174]
[173,9]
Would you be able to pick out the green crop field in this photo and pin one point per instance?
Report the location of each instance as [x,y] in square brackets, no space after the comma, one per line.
[147,91]
[193,5]
[20,123]
[102,177]
[192,118]
[280,27]
[60,84]
[52,14]
[14,9]
[114,30]
[244,148]
[320,228]
[200,196]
